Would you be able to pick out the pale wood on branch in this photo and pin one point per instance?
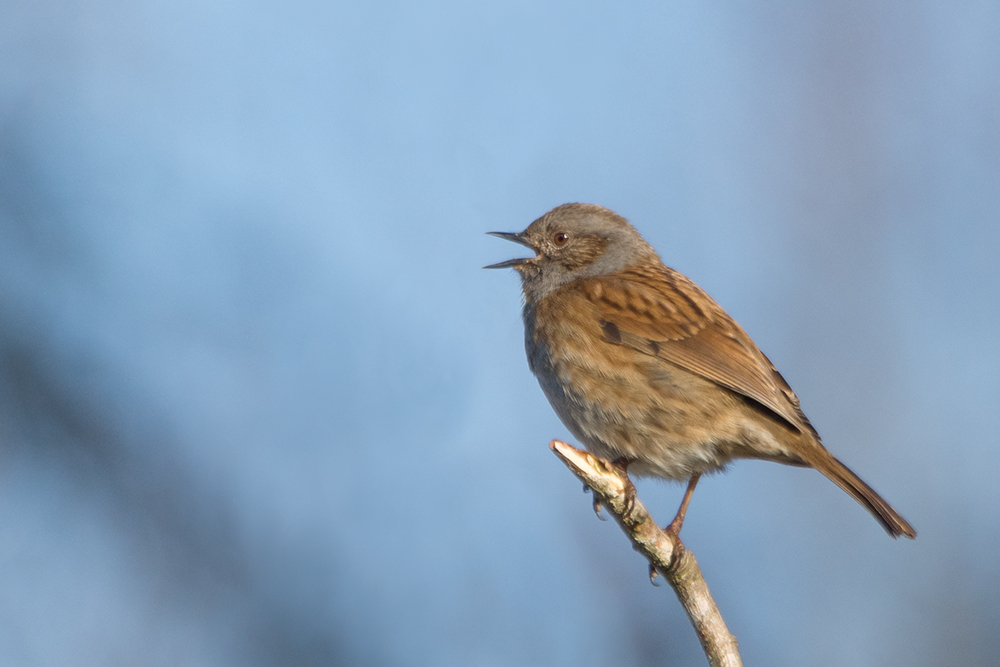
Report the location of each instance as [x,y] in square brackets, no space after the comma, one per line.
[664,551]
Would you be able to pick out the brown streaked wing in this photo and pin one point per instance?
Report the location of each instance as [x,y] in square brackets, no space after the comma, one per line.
[662,313]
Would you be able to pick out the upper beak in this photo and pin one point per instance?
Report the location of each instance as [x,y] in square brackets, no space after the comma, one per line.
[518,237]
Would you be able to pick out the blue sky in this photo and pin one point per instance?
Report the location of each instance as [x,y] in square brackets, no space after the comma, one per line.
[260,406]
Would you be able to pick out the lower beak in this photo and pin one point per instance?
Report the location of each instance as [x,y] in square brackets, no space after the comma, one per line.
[516,238]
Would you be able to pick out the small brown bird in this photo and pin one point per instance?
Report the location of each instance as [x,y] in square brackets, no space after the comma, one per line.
[644,368]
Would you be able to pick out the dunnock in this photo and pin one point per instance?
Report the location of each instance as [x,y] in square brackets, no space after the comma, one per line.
[644,368]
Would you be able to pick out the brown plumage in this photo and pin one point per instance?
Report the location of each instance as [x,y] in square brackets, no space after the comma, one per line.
[646,369]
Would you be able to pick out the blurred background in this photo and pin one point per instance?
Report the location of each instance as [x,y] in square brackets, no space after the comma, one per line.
[260,406]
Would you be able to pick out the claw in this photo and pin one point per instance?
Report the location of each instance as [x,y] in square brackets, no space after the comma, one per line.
[654,576]
[598,508]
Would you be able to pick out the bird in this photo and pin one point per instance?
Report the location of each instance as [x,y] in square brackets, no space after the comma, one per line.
[647,370]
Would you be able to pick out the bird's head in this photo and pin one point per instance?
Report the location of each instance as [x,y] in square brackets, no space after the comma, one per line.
[570,242]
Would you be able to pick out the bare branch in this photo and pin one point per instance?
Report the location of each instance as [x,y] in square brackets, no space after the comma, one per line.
[664,551]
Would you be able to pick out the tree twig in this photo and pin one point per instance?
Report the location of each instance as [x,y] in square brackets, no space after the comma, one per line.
[665,552]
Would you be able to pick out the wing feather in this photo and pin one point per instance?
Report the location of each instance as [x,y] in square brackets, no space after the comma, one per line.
[660,312]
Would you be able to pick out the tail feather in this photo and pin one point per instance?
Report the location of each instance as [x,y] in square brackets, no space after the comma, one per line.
[842,476]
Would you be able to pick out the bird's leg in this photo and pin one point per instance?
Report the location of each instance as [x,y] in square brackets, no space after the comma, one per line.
[622,463]
[675,526]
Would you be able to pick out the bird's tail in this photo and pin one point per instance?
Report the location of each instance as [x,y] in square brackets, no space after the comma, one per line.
[842,476]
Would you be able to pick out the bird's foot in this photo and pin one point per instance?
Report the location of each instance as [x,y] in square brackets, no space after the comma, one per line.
[622,463]
[597,503]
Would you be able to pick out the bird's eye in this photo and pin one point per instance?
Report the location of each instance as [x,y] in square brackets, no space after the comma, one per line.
[560,238]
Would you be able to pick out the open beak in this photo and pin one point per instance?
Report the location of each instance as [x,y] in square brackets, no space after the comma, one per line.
[516,238]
